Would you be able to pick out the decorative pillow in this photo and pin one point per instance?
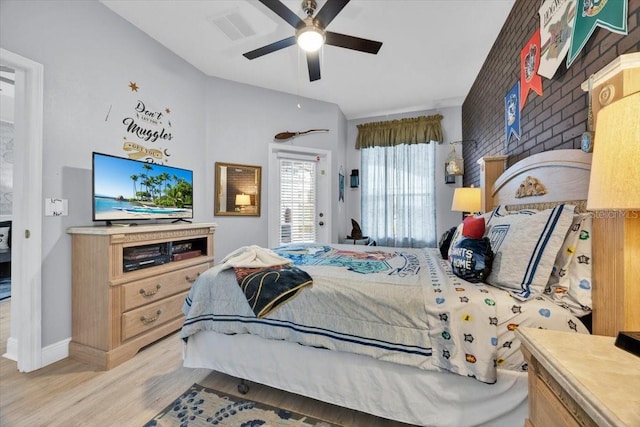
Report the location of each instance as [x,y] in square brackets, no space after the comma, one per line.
[473,227]
[499,212]
[570,282]
[445,242]
[471,259]
[457,236]
[525,248]
[5,243]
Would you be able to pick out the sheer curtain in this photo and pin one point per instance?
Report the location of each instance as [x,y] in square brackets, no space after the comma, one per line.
[398,194]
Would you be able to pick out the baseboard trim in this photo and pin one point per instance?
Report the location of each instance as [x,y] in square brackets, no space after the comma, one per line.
[55,352]
[12,349]
[50,354]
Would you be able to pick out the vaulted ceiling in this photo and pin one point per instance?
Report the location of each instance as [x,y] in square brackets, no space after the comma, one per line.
[431,54]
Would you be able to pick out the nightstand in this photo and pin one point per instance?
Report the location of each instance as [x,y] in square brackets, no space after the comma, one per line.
[579,380]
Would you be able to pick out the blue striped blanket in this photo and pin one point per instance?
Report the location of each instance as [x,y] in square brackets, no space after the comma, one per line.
[394,304]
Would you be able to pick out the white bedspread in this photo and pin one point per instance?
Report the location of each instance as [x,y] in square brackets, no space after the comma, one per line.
[395,304]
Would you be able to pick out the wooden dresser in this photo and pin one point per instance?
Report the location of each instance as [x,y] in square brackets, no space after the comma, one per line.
[129,285]
[580,380]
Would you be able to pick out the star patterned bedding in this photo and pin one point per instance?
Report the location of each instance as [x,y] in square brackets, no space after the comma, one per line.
[401,305]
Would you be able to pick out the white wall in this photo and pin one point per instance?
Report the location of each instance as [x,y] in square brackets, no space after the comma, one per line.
[451,130]
[7,107]
[241,122]
[90,55]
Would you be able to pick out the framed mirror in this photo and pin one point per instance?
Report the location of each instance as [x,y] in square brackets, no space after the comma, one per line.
[237,189]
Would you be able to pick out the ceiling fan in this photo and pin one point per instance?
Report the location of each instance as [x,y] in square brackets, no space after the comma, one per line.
[311,34]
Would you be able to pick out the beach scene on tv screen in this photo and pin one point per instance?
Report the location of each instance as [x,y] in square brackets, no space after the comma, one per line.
[129,189]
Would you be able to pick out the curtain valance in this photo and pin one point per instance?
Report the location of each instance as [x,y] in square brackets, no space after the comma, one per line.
[415,130]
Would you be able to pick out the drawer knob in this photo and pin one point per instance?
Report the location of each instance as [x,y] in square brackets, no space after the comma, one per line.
[192,279]
[145,293]
[147,320]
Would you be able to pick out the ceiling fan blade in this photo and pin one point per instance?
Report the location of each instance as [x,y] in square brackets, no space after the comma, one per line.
[329,11]
[354,43]
[283,12]
[281,44]
[313,62]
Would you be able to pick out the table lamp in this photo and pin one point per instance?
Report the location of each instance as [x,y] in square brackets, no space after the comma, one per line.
[467,199]
[243,200]
[614,186]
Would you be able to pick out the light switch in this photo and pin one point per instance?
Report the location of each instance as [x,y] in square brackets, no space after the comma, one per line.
[56,207]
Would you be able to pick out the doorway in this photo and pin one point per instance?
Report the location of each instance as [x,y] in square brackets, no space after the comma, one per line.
[280,218]
[24,344]
[7,93]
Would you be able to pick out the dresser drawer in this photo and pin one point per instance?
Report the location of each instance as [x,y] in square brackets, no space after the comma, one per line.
[548,410]
[158,287]
[553,405]
[142,319]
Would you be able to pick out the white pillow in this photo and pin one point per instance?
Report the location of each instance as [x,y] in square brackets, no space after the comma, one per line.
[525,248]
[498,212]
[4,238]
[570,282]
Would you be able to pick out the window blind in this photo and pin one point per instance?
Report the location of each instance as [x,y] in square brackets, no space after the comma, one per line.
[297,200]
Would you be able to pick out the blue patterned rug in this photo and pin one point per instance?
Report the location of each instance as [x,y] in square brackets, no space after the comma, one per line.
[202,406]
[5,288]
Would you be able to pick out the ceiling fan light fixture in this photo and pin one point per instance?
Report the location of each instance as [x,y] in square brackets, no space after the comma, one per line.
[310,38]
[310,34]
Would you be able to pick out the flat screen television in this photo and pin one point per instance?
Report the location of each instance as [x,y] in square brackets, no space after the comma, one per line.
[131,190]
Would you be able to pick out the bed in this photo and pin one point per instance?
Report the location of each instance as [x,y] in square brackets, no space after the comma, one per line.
[393,331]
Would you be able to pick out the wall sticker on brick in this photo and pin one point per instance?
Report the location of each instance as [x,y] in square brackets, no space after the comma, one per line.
[556,23]
[512,113]
[609,14]
[529,64]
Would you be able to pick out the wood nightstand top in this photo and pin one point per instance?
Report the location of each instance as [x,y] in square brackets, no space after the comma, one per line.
[603,379]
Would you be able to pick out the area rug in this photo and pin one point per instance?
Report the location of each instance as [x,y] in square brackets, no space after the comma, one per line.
[202,406]
[5,288]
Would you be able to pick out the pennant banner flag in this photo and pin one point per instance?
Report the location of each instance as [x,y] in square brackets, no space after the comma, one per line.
[556,23]
[609,14]
[529,64]
[512,112]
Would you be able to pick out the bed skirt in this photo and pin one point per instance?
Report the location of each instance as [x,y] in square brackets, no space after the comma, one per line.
[381,388]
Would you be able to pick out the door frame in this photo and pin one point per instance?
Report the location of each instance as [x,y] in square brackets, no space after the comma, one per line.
[25,342]
[323,190]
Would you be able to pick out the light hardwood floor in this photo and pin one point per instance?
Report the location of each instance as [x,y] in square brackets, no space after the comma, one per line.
[68,393]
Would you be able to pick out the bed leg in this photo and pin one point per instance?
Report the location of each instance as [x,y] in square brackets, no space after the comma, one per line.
[243,387]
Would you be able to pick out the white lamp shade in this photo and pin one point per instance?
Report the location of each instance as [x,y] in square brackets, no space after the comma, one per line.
[310,38]
[467,199]
[243,200]
[615,166]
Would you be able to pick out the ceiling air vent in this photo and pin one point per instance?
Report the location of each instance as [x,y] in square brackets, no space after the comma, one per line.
[234,26]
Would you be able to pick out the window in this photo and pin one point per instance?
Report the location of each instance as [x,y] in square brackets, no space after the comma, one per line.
[297,200]
[398,194]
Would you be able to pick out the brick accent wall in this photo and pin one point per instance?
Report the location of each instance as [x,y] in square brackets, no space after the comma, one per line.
[240,181]
[555,120]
